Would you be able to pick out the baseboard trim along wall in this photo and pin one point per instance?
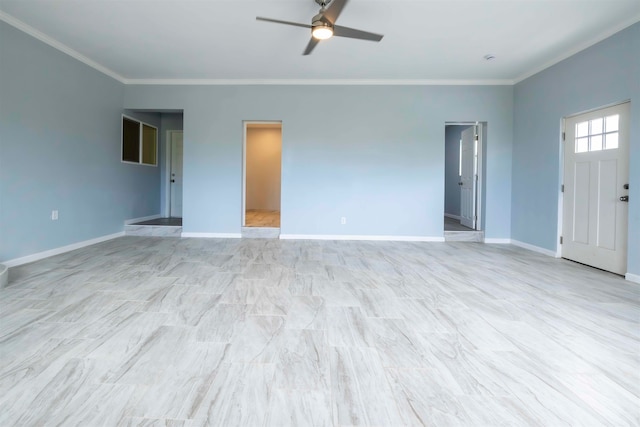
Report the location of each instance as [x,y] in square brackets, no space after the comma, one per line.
[534,248]
[361,237]
[635,278]
[142,218]
[57,251]
[452,216]
[497,241]
[213,235]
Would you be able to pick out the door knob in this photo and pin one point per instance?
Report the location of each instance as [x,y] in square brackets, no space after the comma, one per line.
[624,198]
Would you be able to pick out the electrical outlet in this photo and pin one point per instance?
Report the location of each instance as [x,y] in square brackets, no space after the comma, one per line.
[343,220]
[54,215]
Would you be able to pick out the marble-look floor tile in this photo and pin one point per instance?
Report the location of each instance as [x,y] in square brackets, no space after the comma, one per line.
[257,340]
[148,331]
[292,408]
[361,394]
[239,395]
[185,303]
[222,322]
[307,312]
[302,360]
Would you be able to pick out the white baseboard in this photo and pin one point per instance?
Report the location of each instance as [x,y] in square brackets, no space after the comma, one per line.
[497,240]
[57,251]
[635,278]
[213,235]
[361,237]
[452,216]
[142,218]
[534,248]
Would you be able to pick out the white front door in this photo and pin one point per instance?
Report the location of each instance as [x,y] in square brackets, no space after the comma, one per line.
[596,172]
[468,171]
[175,209]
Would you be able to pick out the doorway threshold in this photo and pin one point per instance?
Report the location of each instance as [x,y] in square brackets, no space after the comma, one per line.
[260,232]
[464,236]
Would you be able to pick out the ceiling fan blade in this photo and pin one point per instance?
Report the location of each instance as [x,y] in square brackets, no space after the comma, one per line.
[352,33]
[333,11]
[278,21]
[312,44]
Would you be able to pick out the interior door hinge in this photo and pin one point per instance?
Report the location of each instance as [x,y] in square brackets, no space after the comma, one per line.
[562,188]
[560,239]
[564,136]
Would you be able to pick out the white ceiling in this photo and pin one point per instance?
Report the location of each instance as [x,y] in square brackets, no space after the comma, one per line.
[220,40]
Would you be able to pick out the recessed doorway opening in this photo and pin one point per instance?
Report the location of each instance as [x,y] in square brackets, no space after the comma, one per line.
[262,179]
[464,145]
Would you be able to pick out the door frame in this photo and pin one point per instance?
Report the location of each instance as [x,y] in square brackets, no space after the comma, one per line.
[563,126]
[167,166]
[482,132]
[245,125]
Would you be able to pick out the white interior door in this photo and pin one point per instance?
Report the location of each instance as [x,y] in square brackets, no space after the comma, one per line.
[175,209]
[467,182]
[596,171]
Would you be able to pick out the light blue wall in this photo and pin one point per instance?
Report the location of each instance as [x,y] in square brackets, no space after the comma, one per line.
[606,73]
[373,154]
[60,149]
[453,134]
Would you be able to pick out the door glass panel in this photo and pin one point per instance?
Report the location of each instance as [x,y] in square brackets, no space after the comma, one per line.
[612,123]
[597,134]
[582,145]
[582,129]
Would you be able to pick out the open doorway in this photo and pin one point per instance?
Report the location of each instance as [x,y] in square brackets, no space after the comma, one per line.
[262,181]
[463,181]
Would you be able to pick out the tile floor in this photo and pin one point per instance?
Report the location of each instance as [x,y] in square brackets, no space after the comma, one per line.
[241,332]
[262,218]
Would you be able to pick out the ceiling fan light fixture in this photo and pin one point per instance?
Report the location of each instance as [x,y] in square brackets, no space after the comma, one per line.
[322,31]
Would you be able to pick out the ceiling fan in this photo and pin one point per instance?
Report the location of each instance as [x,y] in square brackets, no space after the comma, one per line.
[323,25]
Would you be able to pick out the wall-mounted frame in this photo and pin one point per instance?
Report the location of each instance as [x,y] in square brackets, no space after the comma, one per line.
[139,142]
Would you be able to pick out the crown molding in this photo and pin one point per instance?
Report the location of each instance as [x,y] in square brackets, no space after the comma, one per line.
[602,36]
[318,82]
[60,46]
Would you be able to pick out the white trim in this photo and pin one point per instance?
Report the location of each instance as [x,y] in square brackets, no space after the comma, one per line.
[57,251]
[57,45]
[213,235]
[497,240]
[534,248]
[320,82]
[583,46]
[142,218]
[452,216]
[361,237]
[635,278]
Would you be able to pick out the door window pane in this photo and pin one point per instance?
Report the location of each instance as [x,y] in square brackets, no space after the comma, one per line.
[612,123]
[582,129]
[582,145]
[597,134]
